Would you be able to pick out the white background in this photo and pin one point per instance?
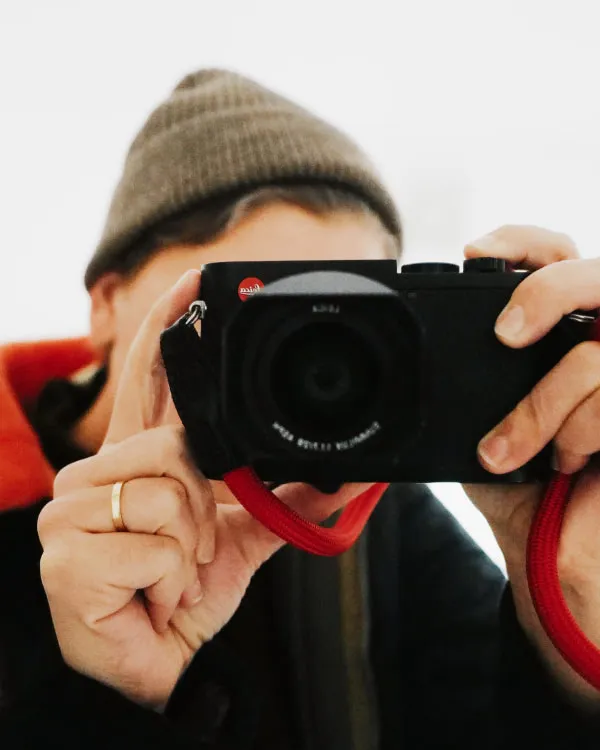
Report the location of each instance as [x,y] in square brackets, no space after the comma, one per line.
[478,113]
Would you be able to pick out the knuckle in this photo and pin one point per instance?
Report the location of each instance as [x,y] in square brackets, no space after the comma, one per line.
[173,499]
[56,568]
[178,494]
[66,479]
[539,285]
[591,422]
[50,519]
[567,244]
[74,476]
[579,435]
[582,365]
[172,444]
[538,411]
[570,442]
[173,555]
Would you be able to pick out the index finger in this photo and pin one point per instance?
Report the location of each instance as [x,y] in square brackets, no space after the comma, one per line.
[540,416]
[525,246]
[141,390]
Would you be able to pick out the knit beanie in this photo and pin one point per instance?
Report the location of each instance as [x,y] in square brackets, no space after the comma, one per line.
[220,132]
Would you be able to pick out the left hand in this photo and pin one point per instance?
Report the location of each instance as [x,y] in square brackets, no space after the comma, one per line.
[564,407]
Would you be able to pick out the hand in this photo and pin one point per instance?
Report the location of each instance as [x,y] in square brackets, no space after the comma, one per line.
[564,408]
[130,609]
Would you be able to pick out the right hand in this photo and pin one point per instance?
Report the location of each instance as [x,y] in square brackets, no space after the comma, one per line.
[130,609]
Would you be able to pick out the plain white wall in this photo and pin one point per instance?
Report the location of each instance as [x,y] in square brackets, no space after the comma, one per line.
[477,112]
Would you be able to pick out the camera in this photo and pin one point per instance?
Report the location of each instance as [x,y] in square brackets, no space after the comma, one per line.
[335,371]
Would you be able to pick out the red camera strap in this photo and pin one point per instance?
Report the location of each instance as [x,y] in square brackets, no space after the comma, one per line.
[544,581]
[542,552]
[267,508]
[544,584]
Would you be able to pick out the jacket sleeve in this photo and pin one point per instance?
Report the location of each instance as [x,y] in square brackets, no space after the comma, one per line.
[528,693]
[44,703]
[473,678]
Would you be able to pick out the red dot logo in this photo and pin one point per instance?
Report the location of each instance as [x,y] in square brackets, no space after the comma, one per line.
[248,287]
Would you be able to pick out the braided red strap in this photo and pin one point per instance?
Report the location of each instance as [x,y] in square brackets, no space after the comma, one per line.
[544,584]
[267,508]
[542,551]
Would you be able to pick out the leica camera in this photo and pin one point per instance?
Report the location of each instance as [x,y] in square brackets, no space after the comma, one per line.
[336,371]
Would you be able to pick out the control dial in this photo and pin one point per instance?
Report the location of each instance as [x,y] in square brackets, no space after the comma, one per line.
[430,268]
[485,265]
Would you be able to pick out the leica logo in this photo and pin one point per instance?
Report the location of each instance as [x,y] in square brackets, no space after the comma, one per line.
[246,290]
[248,287]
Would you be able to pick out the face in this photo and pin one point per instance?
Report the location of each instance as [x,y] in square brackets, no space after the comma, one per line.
[276,232]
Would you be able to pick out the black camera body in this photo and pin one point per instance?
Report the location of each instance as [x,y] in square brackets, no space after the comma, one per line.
[335,371]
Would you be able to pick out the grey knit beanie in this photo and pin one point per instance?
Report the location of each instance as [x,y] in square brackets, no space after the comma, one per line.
[220,132]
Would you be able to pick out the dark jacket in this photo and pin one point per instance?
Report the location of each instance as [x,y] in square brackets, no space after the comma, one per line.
[409,641]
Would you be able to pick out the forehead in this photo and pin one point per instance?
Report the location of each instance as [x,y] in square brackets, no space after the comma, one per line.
[276,232]
[284,232]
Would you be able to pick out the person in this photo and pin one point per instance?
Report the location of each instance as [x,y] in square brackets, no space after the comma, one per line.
[143,607]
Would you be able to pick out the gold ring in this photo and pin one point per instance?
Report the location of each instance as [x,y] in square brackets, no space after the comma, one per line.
[115,503]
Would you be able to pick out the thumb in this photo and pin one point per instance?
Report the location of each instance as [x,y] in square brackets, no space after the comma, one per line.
[143,393]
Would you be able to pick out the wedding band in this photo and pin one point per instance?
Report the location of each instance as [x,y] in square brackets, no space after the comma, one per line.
[115,503]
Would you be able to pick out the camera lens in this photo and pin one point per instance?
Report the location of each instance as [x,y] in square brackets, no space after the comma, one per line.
[328,380]
[325,378]
[324,363]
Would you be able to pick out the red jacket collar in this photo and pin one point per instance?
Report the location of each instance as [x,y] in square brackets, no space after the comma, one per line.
[25,474]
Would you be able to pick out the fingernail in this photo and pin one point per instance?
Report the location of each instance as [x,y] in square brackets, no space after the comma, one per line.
[205,555]
[196,593]
[493,449]
[511,322]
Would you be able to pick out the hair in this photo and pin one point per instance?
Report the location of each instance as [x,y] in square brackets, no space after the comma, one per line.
[206,222]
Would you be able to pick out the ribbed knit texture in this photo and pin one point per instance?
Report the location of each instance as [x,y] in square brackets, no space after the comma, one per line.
[220,132]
